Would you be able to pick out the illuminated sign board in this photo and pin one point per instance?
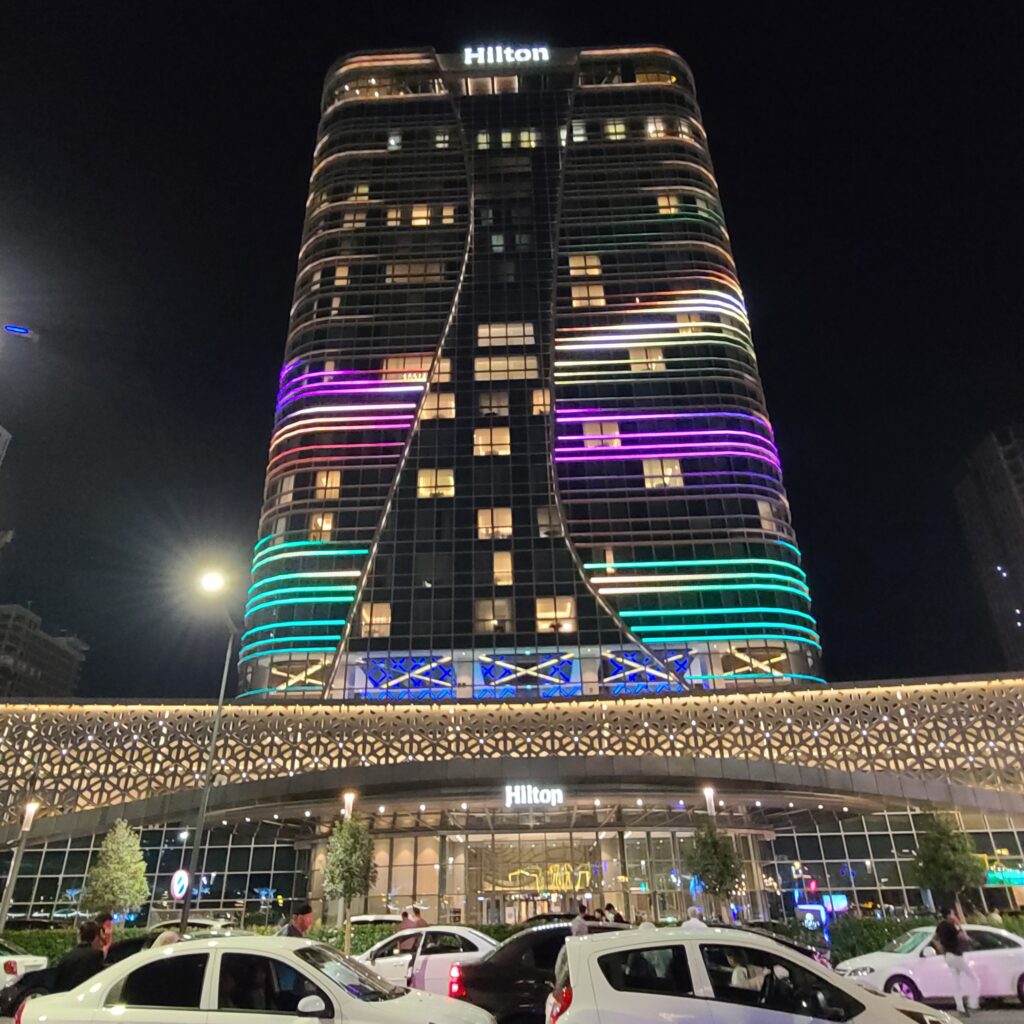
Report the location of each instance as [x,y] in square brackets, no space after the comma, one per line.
[525,795]
[1005,876]
[179,884]
[501,54]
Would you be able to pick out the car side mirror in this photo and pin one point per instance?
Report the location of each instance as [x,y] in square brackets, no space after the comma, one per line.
[311,1006]
[928,951]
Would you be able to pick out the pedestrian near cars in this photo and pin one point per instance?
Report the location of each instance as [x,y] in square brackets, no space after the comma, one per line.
[578,925]
[405,923]
[611,914]
[417,919]
[953,943]
[82,962]
[693,919]
[301,922]
[105,923]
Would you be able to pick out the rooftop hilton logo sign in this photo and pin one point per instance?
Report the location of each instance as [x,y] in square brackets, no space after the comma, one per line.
[525,795]
[505,55]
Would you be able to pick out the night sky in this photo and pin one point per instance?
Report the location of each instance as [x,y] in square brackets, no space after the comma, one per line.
[152,186]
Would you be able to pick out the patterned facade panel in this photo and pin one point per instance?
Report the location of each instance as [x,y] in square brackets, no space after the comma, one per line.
[77,757]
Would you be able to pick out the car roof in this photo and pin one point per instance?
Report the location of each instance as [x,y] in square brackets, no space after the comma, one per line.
[458,929]
[231,943]
[628,937]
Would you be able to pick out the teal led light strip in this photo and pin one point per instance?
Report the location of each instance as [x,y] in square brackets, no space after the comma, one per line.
[303,639]
[296,600]
[326,574]
[740,636]
[329,553]
[289,650]
[696,561]
[739,624]
[295,623]
[281,545]
[802,594]
[633,613]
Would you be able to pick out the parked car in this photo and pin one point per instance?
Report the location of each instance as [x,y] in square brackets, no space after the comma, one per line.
[548,918]
[910,967]
[513,980]
[819,954]
[212,981]
[421,957]
[196,924]
[15,963]
[395,919]
[720,975]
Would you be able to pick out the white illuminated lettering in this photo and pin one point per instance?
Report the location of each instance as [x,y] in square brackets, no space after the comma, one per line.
[503,54]
[526,795]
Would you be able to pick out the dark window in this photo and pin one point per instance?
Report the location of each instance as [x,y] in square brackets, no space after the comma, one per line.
[543,953]
[756,977]
[990,940]
[261,983]
[176,981]
[660,970]
[446,942]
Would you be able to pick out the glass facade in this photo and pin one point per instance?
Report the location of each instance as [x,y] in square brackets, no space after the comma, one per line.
[521,446]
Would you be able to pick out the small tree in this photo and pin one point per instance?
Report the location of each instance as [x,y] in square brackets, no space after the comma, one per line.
[711,858]
[946,860]
[350,869]
[116,883]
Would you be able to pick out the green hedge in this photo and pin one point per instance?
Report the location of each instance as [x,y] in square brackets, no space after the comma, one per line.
[853,936]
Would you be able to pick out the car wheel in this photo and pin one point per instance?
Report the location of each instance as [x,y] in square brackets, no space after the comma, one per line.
[901,986]
[1020,988]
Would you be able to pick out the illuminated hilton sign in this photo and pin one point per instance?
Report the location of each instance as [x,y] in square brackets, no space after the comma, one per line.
[505,55]
[525,795]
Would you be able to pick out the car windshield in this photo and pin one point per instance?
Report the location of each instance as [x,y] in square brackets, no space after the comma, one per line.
[355,978]
[905,943]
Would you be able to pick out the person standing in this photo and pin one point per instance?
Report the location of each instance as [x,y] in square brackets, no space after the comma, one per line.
[693,919]
[953,943]
[611,914]
[301,922]
[105,923]
[82,962]
[578,925]
[405,923]
[417,919]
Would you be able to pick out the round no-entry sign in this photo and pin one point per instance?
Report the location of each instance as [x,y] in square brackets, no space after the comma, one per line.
[179,884]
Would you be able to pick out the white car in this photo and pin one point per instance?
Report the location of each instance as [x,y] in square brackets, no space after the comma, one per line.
[910,967]
[243,980]
[422,957]
[15,962]
[195,924]
[712,975]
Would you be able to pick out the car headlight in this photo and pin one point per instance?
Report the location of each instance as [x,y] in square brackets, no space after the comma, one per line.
[859,972]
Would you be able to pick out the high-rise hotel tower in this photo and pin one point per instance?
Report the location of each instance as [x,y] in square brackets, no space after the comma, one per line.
[521,446]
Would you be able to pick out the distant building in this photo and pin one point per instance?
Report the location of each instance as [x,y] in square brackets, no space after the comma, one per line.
[990,497]
[34,664]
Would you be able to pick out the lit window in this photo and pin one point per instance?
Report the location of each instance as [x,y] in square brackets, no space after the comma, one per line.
[414,368]
[506,83]
[585,264]
[328,484]
[563,134]
[413,273]
[556,615]
[492,441]
[655,127]
[438,405]
[505,367]
[689,323]
[375,618]
[655,77]
[447,214]
[435,483]
[506,139]
[646,359]
[684,129]
[609,561]
[662,473]
[579,131]
[493,523]
[340,275]
[483,140]
[588,295]
[494,403]
[540,401]
[286,489]
[421,216]
[504,334]
[603,434]
[280,525]
[498,242]
[668,204]
[394,140]
[394,216]
[478,86]
[615,131]
[503,568]
[528,138]
[360,192]
[353,219]
[442,140]
[549,522]
[321,524]
[492,615]
[766,514]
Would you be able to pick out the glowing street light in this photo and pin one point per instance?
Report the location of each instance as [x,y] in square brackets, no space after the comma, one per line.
[31,807]
[212,582]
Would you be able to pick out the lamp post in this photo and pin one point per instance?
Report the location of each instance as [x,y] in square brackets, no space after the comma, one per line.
[211,583]
[26,826]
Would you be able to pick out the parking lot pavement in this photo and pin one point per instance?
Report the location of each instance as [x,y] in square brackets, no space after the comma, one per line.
[1007,1013]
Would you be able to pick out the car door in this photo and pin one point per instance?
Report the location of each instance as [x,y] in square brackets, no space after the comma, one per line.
[534,976]
[646,983]
[998,960]
[391,959]
[252,988]
[929,971]
[168,990]
[438,950]
[753,985]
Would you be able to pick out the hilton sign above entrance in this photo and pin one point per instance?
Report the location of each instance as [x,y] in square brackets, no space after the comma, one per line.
[525,795]
[483,55]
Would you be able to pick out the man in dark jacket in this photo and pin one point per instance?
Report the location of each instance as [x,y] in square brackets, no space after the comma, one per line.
[82,962]
[301,922]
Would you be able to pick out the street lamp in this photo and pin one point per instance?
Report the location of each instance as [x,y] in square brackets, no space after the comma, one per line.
[26,826]
[211,583]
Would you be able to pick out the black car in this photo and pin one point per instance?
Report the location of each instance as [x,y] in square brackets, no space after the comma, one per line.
[514,979]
